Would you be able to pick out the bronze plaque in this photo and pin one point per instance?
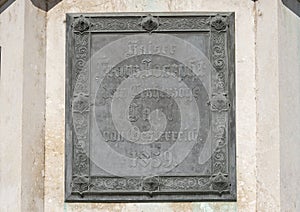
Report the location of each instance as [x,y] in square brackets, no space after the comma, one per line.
[150,107]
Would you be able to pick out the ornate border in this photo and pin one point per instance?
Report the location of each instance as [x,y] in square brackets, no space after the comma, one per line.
[221,185]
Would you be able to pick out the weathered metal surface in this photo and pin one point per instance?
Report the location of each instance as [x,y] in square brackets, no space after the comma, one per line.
[5,4]
[45,5]
[2,2]
[293,5]
[150,107]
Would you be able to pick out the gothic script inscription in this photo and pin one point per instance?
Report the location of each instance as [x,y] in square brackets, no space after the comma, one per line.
[150,107]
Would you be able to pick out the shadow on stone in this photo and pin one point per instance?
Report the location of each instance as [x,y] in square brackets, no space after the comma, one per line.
[45,5]
[5,4]
[293,5]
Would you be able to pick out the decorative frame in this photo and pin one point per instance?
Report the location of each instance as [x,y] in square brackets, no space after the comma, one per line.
[221,184]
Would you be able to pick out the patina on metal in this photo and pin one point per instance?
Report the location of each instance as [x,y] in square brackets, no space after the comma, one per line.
[293,5]
[45,5]
[4,4]
[150,107]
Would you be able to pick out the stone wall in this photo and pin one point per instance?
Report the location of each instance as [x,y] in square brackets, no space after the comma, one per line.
[289,87]
[246,105]
[11,94]
[22,106]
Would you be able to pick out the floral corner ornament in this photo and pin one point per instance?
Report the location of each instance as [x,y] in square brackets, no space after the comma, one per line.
[81,24]
[219,23]
[80,184]
[220,183]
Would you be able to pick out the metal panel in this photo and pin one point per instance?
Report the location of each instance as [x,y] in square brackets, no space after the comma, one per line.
[150,107]
[2,2]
